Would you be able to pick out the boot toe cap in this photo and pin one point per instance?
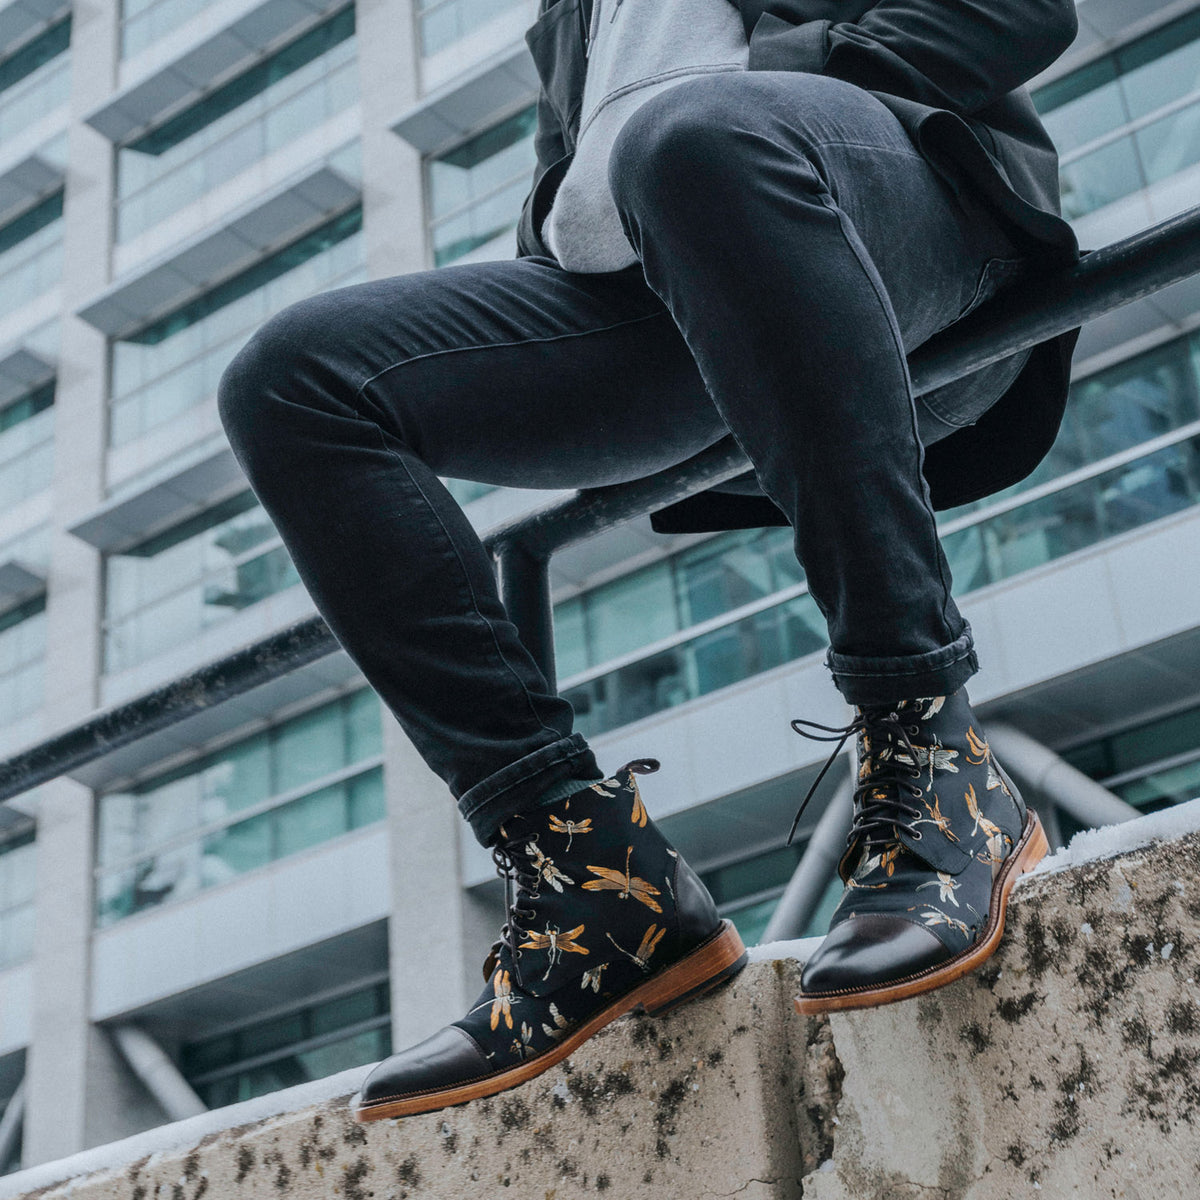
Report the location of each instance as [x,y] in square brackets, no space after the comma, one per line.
[451,1056]
[862,951]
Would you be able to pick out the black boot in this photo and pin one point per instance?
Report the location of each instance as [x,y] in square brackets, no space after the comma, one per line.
[940,836]
[606,919]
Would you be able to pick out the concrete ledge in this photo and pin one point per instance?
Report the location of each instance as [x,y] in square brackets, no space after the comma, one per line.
[1067,1067]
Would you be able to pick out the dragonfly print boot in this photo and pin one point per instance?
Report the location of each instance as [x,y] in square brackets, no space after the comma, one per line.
[604,918]
[939,837]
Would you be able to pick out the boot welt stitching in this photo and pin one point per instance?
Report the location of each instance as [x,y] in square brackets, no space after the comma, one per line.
[995,912]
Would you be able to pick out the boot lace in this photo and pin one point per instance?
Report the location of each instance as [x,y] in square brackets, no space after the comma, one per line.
[515,866]
[882,800]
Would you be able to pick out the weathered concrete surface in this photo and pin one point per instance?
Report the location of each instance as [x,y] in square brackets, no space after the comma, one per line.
[1070,1066]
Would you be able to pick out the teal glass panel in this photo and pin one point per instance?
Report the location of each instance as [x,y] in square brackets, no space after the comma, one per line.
[235,779]
[476,190]
[367,803]
[22,651]
[143,22]
[1101,177]
[31,254]
[465,491]
[734,569]
[1172,144]
[238,848]
[1083,106]
[443,22]
[271,1035]
[344,1011]
[631,612]
[355,1051]
[209,1055]
[364,725]
[1161,67]
[570,638]
[175,364]
[1165,738]
[308,747]
[276,101]
[1163,788]
[311,820]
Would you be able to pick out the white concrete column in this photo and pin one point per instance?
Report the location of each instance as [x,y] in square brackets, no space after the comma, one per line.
[393,208]
[437,933]
[71,1081]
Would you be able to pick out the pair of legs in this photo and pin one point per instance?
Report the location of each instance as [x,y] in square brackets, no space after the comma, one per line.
[793,246]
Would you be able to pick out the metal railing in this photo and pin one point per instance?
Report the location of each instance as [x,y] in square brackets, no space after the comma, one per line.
[1020,317]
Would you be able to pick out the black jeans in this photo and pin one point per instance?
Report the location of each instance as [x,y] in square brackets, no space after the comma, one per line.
[792,244]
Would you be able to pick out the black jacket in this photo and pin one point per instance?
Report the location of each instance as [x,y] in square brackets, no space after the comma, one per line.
[952,73]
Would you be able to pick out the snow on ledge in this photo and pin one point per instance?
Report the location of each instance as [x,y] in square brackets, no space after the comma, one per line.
[1089,846]
[1092,845]
[182,1135]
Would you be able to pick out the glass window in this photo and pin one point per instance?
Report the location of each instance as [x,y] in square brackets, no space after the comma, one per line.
[35,80]
[176,363]
[182,831]
[309,1043]
[26,446]
[443,22]
[31,254]
[17,884]
[143,22]
[22,655]
[1087,111]
[175,585]
[273,103]
[476,190]
[630,612]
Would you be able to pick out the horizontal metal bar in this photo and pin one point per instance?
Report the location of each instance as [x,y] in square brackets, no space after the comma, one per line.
[1031,312]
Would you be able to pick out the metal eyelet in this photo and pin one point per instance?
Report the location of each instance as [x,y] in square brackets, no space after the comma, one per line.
[915,834]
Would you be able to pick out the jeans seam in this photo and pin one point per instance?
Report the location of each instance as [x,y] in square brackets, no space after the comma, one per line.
[467,577]
[414,358]
[827,199]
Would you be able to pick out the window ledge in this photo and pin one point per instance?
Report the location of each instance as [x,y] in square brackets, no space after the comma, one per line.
[169,281]
[209,63]
[466,105]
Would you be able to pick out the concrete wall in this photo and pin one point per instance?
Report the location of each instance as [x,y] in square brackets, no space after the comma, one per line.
[1066,1067]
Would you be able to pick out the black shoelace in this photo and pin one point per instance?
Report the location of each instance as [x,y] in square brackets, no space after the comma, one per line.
[880,803]
[515,866]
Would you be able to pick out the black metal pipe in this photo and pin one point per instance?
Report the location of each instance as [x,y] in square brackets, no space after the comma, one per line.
[524,581]
[1037,309]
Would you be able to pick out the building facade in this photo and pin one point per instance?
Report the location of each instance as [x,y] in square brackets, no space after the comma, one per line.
[241,900]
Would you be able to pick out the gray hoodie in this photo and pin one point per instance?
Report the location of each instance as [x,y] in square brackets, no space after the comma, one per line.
[636,49]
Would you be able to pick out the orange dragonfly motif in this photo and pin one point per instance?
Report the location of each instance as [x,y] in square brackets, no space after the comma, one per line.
[976,745]
[570,828]
[556,943]
[624,884]
[638,816]
[937,817]
[560,1026]
[503,1000]
[990,829]
[648,945]
[522,1046]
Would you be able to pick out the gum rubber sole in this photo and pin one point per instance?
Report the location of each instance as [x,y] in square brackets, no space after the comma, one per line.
[712,963]
[1027,853]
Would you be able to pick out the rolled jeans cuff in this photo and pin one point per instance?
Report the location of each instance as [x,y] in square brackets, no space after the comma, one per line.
[517,787]
[864,679]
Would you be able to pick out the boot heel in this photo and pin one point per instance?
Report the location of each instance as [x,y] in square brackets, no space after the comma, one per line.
[709,965]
